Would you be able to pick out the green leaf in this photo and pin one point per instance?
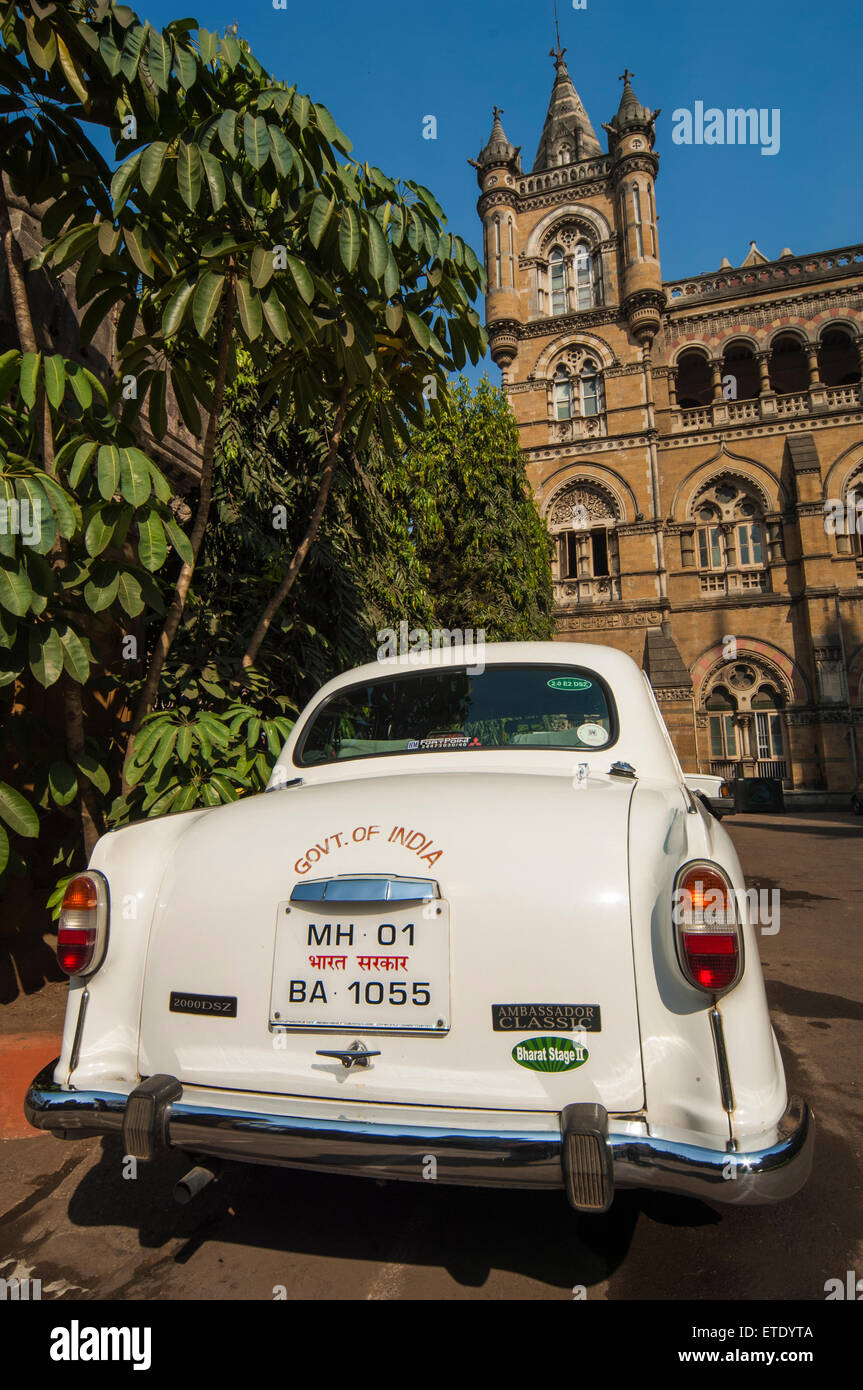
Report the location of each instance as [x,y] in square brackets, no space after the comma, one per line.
[132,51]
[152,162]
[81,387]
[94,770]
[379,251]
[16,591]
[322,211]
[249,305]
[349,237]
[18,813]
[152,546]
[302,279]
[45,655]
[420,330]
[184,743]
[179,540]
[30,365]
[187,67]
[282,152]
[185,397]
[139,250]
[329,128]
[189,174]
[123,182]
[62,783]
[75,659]
[55,379]
[100,529]
[228,132]
[394,313]
[4,850]
[129,594]
[160,60]
[135,479]
[275,315]
[9,370]
[256,140]
[175,311]
[108,470]
[301,107]
[215,179]
[101,589]
[261,268]
[81,465]
[208,294]
[156,409]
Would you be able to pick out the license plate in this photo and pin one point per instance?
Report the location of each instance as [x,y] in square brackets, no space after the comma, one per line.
[362,969]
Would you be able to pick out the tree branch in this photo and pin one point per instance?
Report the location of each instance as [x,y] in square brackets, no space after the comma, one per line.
[309,538]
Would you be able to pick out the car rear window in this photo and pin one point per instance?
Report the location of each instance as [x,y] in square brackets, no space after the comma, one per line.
[453,710]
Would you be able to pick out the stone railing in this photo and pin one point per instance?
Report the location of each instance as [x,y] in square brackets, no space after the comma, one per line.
[816,401]
[789,270]
[565,174]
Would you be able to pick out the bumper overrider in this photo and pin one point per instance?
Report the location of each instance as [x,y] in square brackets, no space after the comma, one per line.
[584,1156]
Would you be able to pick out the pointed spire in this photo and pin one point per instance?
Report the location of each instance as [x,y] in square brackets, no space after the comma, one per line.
[754,257]
[630,113]
[567,128]
[497,150]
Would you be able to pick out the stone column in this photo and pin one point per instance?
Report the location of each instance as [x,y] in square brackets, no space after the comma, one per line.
[767,399]
[716,375]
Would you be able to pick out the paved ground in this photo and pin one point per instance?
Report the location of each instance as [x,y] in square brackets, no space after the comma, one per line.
[68,1217]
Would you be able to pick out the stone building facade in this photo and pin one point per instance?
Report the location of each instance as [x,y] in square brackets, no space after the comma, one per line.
[695,447]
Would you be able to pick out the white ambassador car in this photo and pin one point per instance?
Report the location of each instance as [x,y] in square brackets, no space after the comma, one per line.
[477,930]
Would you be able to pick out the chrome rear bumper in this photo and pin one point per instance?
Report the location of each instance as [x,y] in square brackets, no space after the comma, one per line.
[497,1157]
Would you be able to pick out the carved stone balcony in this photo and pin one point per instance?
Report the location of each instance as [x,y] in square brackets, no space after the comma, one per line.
[769,407]
[571,592]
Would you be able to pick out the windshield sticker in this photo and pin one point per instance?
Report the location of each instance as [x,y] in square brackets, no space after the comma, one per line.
[592,734]
[550,1054]
[569,683]
[448,741]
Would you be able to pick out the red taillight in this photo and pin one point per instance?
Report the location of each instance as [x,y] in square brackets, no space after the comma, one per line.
[708,935]
[83,923]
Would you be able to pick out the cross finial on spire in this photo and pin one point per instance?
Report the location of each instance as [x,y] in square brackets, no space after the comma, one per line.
[556,53]
[625,75]
[497,111]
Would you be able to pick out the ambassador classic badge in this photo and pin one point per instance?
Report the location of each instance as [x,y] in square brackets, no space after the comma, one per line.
[537,1018]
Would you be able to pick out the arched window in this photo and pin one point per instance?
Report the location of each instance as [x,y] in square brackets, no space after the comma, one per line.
[652,213]
[739,363]
[694,383]
[636,208]
[511,252]
[584,519]
[591,388]
[721,711]
[838,363]
[557,270]
[583,277]
[497,265]
[789,369]
[730,533]
[562,395]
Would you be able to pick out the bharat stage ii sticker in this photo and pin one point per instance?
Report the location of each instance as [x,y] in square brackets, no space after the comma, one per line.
[524,1018]
[550,1054]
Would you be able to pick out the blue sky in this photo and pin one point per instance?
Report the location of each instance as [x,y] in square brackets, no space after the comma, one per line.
[382,66]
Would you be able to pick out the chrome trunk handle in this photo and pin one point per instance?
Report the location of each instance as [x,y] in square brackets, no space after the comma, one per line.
[366,888]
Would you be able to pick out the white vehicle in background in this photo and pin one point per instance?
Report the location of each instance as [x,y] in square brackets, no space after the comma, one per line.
[478,929]
[716,791]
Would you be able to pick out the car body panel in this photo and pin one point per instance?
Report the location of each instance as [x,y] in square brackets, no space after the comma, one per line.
[556,868]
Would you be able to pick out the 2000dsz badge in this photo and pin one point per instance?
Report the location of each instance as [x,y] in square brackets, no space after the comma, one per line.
[436,839]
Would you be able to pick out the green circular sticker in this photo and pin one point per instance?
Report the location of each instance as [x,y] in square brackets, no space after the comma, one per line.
[550,1054]
[569,683]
